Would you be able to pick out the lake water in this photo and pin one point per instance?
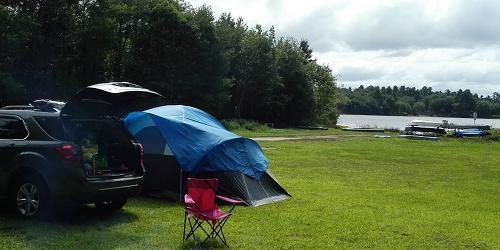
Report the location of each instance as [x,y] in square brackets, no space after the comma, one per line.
[399,122]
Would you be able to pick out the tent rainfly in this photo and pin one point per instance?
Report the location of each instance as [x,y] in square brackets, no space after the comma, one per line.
[181,141]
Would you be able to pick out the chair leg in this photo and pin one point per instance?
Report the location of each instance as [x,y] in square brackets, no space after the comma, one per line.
[223,239]
[202,228]
[184,231]
[211,233]
[192,228]
[217,231]
[194,225]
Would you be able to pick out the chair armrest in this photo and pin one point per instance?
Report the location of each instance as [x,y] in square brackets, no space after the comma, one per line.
[188,200]
[228,200]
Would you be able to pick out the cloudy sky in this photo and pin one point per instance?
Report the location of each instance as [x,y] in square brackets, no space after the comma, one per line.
[444,44]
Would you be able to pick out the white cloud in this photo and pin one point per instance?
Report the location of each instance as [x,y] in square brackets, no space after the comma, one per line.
[440,43]
[442,68]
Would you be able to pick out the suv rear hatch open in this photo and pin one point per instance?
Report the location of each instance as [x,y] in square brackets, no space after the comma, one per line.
[93,118]
[115,99]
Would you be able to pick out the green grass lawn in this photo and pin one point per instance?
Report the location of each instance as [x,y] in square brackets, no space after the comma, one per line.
[347,193]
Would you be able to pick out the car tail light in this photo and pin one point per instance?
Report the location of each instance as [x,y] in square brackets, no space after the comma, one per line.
[70,154]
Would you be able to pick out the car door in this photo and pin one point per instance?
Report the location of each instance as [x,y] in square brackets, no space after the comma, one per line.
[13,133]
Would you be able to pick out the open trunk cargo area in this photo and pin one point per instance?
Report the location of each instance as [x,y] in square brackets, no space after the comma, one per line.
[107,149]
[93,117]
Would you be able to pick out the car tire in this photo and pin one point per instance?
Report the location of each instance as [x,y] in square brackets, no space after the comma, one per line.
[30,197]
[111,205]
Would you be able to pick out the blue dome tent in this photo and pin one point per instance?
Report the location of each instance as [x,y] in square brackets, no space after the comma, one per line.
[181,141]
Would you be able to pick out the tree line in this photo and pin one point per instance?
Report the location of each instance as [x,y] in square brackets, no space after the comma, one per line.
[52,48]
[374,100]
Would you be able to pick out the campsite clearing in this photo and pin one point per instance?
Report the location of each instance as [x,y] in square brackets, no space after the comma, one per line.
[349,193]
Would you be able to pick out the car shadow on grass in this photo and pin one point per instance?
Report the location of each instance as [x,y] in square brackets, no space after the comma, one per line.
[150,201]
[83,227]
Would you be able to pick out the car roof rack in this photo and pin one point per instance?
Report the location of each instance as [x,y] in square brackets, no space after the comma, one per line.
[43,105]
[18,107]
[48,105]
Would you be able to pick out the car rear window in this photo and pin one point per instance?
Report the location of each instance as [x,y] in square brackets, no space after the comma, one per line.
[53,126]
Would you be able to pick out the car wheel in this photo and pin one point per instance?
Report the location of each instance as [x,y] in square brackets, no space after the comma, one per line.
[111,205]
[30,197]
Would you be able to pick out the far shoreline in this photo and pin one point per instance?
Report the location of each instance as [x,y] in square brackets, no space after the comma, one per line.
[391,121]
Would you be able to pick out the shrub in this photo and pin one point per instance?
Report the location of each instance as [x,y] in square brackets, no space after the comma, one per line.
[239,124]
[494,135]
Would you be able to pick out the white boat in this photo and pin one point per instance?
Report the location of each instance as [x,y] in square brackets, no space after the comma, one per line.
[426,127]
[422,123]
[445,124]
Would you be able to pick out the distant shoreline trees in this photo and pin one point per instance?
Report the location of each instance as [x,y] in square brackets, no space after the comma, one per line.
[51,49]
[402,100]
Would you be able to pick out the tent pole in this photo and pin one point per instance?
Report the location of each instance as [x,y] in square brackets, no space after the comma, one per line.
[180,186]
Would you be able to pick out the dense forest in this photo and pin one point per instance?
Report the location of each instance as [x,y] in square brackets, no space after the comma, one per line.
[53,48]
[374,100]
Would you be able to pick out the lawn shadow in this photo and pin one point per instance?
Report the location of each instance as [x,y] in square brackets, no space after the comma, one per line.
[91,227]
[72,215]
[210,244]
[89,215]
[149,201]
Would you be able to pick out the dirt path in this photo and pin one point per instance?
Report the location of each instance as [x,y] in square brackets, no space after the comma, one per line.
[304,138]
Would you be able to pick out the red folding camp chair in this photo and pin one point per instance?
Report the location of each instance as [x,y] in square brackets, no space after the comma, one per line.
[201,209]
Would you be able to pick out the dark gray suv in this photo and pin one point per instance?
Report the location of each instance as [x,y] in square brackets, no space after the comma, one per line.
[82,154]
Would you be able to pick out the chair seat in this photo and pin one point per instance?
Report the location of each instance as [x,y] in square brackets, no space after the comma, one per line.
[212,214]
